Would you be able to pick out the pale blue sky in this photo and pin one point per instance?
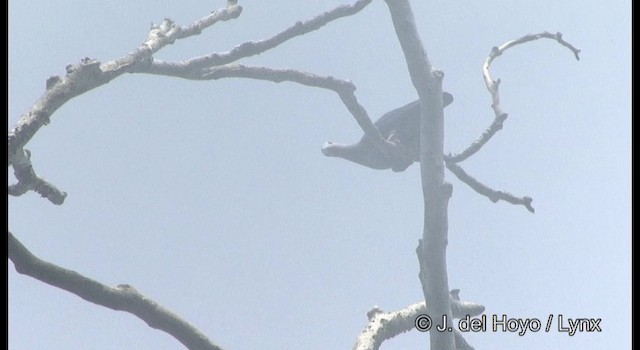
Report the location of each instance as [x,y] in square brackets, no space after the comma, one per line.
[213,198]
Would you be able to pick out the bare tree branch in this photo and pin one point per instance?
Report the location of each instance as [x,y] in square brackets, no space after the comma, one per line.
[500,117]
[277,75]
[89,74]
[345,89]
[386,325]
[121,298]
[207,67]
[432,248]
[493,87]
[29,181]
[252,48]
[488,192]
[232,11]
[495,126]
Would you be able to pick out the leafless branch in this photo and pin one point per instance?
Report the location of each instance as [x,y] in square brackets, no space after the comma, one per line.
[493,195]
[216,66]
[386,325]
[492,85]
[436,193]
[252,48]
[90,74]
[500,117]
[121,298]
[497,124]
[345,89]
[29,181]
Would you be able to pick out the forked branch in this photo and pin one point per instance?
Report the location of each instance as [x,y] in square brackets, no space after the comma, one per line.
[498,121]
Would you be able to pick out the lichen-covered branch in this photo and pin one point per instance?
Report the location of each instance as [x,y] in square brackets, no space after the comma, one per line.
[386,325]
[121,298]
[493,195]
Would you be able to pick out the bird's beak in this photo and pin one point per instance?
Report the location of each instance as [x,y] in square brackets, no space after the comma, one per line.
[327,149]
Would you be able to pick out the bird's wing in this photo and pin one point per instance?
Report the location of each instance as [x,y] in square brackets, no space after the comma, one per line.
[404,122]
[399,119]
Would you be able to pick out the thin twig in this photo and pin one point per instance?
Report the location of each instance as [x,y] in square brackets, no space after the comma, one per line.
[493,195]
[251,48]
[492,85]
[344,88]
[496,125]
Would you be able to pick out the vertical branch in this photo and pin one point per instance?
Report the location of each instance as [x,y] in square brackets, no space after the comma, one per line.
[432,248]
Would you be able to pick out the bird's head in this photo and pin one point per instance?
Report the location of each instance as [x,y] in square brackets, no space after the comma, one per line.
[329,149]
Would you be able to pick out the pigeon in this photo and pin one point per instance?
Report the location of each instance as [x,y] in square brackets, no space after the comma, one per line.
[401,125]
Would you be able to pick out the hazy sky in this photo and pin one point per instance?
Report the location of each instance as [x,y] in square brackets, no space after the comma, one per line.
[213,198]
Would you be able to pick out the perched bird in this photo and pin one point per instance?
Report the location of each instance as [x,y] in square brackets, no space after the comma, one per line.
[401,125]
